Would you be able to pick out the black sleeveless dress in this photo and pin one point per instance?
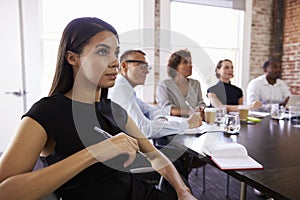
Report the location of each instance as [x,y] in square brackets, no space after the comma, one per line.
[227,93]
[71,125]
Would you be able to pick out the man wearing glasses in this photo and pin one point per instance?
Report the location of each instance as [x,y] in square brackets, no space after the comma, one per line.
[150,119]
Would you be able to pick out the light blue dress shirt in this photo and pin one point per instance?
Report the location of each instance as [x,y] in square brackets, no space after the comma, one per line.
[147,117]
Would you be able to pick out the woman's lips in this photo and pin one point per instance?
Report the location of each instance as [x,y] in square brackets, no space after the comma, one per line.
[112,75]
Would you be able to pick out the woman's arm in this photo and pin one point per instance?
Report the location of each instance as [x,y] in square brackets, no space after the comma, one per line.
[159,161]
[19,159]
[283,103]
[215,102]
[17,181]
[231,108]
[180,112]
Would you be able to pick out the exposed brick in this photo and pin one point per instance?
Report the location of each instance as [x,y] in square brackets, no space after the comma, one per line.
[262,36]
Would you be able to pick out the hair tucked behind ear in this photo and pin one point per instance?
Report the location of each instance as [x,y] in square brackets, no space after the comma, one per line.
[74,38]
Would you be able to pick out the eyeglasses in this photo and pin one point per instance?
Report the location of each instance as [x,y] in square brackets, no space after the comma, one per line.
[142,64]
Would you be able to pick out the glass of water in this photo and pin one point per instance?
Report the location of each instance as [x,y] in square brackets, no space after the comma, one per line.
[231,124]
[294,113]
[277,112]
[220,115]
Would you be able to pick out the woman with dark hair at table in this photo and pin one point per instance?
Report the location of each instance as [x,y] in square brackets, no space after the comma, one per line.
[80,163]
[224,93]
[181,94]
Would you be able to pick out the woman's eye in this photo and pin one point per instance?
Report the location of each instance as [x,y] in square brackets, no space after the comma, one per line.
[103,52]
[117,54]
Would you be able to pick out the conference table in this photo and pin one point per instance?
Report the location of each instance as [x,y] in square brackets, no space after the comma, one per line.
[273,143]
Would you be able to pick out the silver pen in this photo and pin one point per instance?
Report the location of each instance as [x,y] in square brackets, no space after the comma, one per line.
[107,135]
[190,107]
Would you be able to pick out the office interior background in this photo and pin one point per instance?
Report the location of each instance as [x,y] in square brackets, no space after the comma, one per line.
[246,31]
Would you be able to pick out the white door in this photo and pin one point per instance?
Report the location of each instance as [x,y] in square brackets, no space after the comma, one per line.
[11,106]
[14,79]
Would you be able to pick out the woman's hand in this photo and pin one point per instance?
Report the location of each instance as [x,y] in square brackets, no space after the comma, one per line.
[194,120]
[112,147]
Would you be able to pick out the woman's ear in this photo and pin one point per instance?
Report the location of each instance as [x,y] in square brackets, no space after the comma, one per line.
[72,58]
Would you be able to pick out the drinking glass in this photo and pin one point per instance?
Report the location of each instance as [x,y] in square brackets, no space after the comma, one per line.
[220,114]
[231,124]
[294,113]
[277,112]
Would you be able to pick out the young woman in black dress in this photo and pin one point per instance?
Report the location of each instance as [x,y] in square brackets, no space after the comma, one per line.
[80,163]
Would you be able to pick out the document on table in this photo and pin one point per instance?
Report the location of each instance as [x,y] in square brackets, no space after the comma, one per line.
[233,156]
[204,128]
[258,113]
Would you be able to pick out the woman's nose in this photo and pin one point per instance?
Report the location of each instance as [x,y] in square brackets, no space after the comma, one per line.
[114,63]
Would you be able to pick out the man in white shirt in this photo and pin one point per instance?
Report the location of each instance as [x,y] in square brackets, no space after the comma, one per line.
[150,119]
[268,88]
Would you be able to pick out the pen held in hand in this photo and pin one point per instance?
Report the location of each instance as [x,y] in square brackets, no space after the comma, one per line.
[107,135]
[190,107]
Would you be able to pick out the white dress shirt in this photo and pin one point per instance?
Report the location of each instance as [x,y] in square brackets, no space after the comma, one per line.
[260,90]
[147,117]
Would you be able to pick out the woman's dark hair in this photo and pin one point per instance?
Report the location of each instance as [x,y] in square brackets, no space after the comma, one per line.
[219,65]
[75,36]
[175,59]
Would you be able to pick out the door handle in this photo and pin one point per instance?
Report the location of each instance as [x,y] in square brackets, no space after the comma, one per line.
[17,93]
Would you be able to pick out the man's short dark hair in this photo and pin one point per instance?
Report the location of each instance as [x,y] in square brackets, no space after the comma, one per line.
[128,52]
[272,60]
[266,64]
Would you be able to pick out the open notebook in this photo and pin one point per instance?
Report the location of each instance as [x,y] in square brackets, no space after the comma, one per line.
[205,144]
[233,156]
[227,156]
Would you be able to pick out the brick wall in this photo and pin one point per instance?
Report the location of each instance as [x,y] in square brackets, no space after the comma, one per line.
[263,37]
[291,46]
[260,36]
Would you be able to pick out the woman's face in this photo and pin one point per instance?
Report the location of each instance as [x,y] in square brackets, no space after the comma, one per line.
[99,60]
[226,70]
[185,67]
